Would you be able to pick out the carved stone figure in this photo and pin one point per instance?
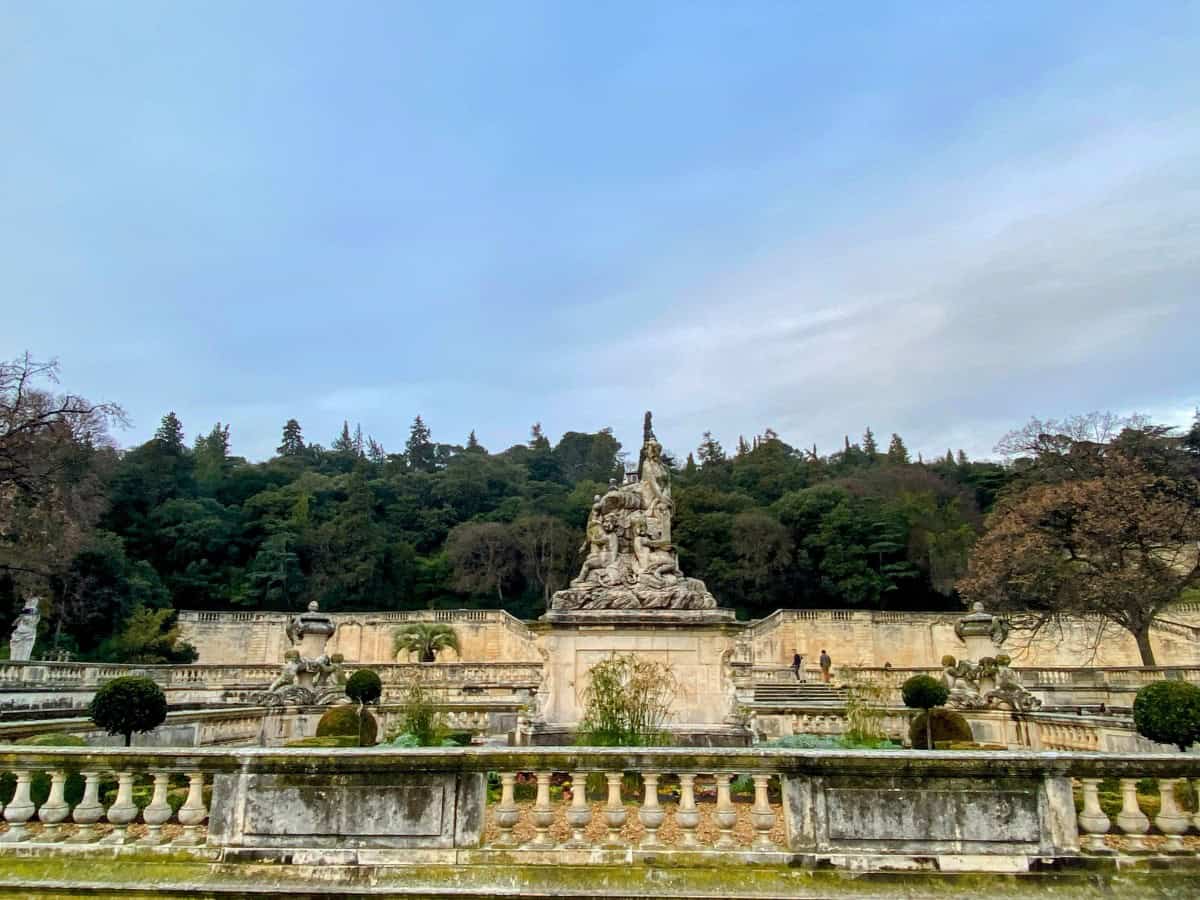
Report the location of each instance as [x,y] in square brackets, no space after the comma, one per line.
[308,676]
[24,633]
[630,561]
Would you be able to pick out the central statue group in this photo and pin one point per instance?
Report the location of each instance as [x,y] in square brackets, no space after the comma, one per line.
[630,561]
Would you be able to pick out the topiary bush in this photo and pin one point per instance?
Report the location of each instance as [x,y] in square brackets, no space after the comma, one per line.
[128,704]
[936,726]
[1168,712]
[364,687]
[924,692]
[344,720]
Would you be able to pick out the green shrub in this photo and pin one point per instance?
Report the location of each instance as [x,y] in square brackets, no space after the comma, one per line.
[1168,712]
[345,720]
[128,704]
[935,726]
[626,703]
[364,686]
[924,692]
[419,718]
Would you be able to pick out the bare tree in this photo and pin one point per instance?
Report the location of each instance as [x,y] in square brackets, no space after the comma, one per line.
[53,450]
[547,551]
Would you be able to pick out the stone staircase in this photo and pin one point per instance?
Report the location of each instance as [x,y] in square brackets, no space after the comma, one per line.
[800,693]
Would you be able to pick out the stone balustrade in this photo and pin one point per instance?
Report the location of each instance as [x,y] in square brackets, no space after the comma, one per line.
[857,809]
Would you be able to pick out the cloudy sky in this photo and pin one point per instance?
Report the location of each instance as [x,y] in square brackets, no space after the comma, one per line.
[936,219]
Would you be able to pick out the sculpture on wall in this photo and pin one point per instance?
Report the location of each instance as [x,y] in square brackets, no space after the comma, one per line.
[987,684]
[309,676]
[24,633]
[630,562]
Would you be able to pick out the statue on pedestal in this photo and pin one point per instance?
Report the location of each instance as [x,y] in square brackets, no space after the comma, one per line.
[24,633]
[630,562]
[989,683]
[308,677]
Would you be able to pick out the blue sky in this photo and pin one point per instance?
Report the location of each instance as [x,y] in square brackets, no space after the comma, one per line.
[936,219]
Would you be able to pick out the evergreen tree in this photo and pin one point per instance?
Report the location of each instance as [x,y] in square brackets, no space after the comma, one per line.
[897,453]
[537,440]
[344,442]
[710,451]
[869,446]
[962,458]
[419,449]
[690,468]
[473,442]
[293,440]
[357,443]
[742,447]
[170,433]
[375,451]
[949,460]
[212,454]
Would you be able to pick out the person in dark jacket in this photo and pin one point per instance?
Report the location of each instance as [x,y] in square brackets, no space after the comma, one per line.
[797,663]
[826,664]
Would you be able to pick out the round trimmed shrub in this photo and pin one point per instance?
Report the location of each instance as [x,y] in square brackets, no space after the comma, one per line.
[128,704]
[344,720]
[945,726]
[364,686]
[924,692]
[1168,712]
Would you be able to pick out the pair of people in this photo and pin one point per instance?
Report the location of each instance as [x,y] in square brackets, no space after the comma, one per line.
[825,660]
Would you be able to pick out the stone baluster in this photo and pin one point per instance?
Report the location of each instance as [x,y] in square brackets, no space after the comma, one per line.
[579,814]
[1093,821]
[1131,820]
[87,811]
[507,812]
[543,814]
[614,812]
[1170,820]
[687,816]
[725,816]
[55,809]
[19,810]
[762,815]
[123,811]
[651,814]
[158,812]
[193,812]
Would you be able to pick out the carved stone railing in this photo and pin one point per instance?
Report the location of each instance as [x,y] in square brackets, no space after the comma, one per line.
[862,810]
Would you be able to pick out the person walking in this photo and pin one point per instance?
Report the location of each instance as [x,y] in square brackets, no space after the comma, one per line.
[826,663]
[797,663]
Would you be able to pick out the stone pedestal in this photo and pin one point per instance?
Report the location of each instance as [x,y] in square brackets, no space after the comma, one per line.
[699,646]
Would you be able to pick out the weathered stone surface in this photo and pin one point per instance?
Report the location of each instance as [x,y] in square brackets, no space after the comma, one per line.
[631,562]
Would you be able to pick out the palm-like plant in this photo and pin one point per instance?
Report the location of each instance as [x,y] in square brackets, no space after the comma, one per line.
[425,639]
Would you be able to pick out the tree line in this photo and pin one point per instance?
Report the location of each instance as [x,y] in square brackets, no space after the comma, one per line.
[113,541]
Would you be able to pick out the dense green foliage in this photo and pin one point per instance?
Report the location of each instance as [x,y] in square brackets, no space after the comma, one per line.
[1168,712]
[173,524]
[923,692]
[364,686]
[128,704]
[345,720]
[938,726]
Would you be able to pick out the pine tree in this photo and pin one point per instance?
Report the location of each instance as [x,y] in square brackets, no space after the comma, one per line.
[962,458]
[742,447]
[869,447]
[357,443]
[212,453]
[690,468]
[375,451]
[419,449]
[293,440]
[472,441]
[710,450]
[537,440]
[949,460]
[344,442]
[897,453]
[170,433]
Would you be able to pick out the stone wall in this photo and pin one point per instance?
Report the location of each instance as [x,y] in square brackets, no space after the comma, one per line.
[852,637]
[908,639]
[253,638]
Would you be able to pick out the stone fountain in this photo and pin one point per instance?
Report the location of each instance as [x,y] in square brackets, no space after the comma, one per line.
[309,676]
